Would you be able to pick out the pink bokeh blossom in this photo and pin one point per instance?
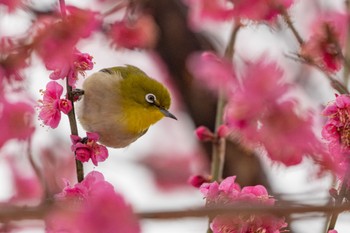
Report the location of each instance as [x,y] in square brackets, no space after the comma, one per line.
[91,206]
[138,33]
[228,192]
[13,59]
[328,35]
[55,40]
[52,105]
[16,120]
[215,10]
[257,94]
[262,115]
[89,149]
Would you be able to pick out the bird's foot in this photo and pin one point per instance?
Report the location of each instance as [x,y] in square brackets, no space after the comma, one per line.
[77,94]
[84,140]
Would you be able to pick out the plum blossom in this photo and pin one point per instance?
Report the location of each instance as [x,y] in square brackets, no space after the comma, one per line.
[91,206]
[336,132]
[16,120]
[262,115]
[137,33]
[52,105]
[210,70]
[228,192]
[328,35]
[337,128]
[78,65]
[88,148]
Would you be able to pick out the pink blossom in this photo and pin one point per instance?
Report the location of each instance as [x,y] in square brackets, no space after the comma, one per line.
[55,39]
[328,35]
[337,128]
[262,86]
[78,65]
[336,132]
[16,120]
[261,114]
[228,192]
[282,126]
[52,106]
[260,10]
[332,231]
[88,148]
[90,206]
[216,10]
[137,33]
[210,70]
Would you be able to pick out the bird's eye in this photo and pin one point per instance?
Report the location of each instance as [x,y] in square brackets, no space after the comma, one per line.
[150,98]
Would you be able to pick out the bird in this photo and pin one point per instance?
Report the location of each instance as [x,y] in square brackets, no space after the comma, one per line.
[121,103]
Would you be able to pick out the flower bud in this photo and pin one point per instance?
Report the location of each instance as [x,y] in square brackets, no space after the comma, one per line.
[204,134]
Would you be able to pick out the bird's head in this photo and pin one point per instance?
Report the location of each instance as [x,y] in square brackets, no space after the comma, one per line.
[143,99]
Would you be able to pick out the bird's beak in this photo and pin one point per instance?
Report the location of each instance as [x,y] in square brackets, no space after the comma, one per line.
[166,113]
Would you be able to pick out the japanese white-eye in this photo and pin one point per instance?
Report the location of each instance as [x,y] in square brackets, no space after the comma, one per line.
[121,103]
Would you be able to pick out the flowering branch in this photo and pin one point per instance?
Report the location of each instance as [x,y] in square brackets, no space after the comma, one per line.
[71,114]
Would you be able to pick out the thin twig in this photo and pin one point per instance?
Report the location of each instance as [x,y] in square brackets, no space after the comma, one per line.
[339,199]
[74,131]
[290,24]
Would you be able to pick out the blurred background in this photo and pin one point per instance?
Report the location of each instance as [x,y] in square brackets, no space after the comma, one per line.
[152,173]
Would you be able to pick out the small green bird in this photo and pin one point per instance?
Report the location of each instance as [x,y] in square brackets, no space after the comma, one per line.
[121,103]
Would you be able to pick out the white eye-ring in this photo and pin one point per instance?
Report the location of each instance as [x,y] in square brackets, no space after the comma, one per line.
[150,98]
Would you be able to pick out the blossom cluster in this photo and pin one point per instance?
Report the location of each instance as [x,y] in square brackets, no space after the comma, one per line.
[258,110]
[91,206]
[88,148]
[227,193]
